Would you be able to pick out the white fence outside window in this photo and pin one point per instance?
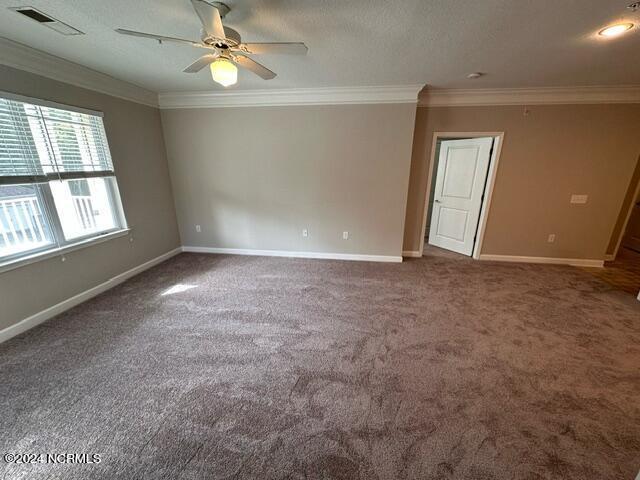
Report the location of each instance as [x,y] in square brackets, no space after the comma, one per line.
[21,225]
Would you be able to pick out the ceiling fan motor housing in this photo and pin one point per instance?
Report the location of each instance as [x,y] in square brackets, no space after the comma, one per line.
[232,39]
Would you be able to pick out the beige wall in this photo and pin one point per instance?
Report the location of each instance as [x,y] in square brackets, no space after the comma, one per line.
[254,178]
[552,152]
[135,138]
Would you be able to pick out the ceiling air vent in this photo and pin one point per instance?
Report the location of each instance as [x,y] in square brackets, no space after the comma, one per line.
[46,20]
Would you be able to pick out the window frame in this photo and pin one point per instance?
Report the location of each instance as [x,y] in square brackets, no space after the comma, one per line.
[59,244]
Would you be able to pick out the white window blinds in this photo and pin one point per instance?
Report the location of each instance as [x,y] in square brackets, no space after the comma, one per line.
[57,184]
[18,153]
[42,142]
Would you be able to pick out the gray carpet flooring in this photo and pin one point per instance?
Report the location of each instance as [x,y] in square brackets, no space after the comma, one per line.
[211,367]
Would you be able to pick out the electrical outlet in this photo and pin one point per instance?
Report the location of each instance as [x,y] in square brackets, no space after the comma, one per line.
[581,199]
[198,229]
[345,235]
[551,238]
[305,232]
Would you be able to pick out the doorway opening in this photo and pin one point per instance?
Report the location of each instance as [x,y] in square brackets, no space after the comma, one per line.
[622,266]
[460,185]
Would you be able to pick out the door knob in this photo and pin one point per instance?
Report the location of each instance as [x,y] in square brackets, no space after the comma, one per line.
[437,201]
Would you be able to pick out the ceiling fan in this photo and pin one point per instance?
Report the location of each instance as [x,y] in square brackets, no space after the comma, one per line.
[225,45]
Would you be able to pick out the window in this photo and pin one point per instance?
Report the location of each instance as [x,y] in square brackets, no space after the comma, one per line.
[57,184]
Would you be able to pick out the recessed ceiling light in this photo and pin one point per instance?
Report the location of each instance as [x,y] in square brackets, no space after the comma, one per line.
[615,30]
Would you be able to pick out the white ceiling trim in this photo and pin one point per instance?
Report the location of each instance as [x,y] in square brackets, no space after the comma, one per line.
[530,96]
[296,96]
[25,58]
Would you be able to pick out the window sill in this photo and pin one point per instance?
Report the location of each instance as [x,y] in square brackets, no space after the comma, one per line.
[56,252]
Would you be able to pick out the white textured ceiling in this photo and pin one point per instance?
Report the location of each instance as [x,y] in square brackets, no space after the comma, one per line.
[518,43]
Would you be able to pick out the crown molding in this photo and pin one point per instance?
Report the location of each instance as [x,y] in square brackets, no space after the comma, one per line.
[530,96]
[296,96]
[22,57]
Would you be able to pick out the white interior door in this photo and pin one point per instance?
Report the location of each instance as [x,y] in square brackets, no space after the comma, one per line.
[457,199]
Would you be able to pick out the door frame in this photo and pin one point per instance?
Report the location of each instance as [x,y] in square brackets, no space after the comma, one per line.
[634,199]
[491,180]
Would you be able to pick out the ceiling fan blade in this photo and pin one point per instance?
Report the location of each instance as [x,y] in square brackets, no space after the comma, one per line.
[210,18]
[160,38]
[280,48]
[200,63]
[254,66]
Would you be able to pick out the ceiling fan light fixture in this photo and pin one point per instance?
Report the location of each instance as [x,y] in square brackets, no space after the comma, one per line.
[224,72]
[227,52]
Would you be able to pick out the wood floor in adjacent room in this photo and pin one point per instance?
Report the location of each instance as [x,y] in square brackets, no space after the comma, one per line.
[212,366]
[622,273]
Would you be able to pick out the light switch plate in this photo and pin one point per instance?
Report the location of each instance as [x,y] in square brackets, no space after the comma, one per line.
[579,198]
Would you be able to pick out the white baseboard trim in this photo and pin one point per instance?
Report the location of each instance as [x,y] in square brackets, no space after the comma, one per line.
[44,315]
[609,257]
[411,253]
[284,253]
[574,262]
